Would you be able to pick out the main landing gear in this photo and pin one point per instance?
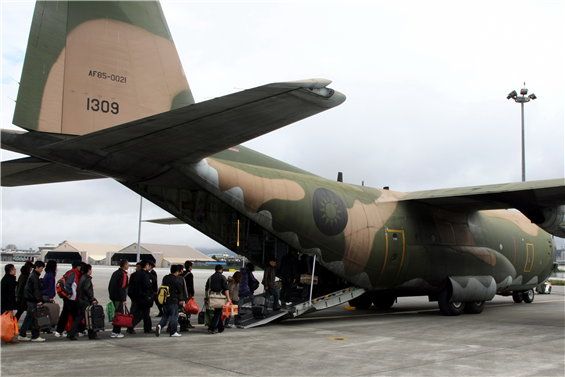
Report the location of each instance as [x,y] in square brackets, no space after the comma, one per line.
[526,296]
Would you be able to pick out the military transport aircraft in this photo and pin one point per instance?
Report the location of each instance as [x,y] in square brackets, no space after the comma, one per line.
[103,95]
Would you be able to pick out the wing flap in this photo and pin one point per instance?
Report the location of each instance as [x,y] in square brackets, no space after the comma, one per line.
[520,195]
[34,171]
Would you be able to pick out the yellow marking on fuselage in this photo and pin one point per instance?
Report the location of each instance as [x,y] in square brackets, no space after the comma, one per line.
[531,263]
[256,190]
[386,253]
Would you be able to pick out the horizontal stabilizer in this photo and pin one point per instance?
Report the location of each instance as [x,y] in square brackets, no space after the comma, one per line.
[34,171]
[191,133]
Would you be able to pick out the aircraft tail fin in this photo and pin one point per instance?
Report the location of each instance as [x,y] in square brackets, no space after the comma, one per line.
[91,65]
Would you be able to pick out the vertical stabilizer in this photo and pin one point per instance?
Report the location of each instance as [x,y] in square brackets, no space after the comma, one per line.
[92,65]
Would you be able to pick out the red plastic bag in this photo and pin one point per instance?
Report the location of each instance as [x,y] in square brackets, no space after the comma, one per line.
[124,319]
[8,326]
[69,323]
[191,307]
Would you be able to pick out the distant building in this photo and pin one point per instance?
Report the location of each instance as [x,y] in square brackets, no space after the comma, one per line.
[13,254]
[161,255]
[227,260]
[68,252]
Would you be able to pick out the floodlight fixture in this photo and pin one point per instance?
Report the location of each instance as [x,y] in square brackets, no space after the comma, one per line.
[521,100]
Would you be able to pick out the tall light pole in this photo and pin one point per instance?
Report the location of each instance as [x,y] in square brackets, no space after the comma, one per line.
[522,100]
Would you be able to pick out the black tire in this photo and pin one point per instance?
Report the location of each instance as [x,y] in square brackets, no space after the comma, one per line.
[517,297]
[384,302]
[474,307]
[362,302]
[449,308]
[528,296]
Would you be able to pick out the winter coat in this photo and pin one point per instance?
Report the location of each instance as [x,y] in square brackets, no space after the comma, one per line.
[244,286]
[22,303]
[33,288]
[118,286]
[183,296]
[233,287]
[9,286]
[144,296]
[189,279]
[289,268]
[49,284]
[85,291]
[269,277]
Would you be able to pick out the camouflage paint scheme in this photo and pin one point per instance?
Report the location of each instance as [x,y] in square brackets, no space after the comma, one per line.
[83,56]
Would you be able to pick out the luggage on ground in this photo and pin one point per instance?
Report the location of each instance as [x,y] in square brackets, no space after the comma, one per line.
[208,317]
[202,315]
[54,311]
[183,320]
[259,308]
[8,326]
[94,318]
[41,318]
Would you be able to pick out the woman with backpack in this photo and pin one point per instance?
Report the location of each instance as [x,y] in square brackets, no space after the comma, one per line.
[248,284]
[233,287]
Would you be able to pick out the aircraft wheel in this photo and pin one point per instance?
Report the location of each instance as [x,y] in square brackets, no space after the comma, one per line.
[384,302]
[474,307]
[362,302]
[449,308]
[517,297]
[528,296]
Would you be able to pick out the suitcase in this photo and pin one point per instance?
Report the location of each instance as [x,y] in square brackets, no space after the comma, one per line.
[54,311]
[259,309]
[94,318]
[41,318]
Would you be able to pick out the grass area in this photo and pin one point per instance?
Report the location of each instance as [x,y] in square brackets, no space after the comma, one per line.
[557,281]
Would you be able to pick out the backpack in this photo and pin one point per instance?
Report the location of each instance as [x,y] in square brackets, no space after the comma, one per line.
[60,286]
[163,294]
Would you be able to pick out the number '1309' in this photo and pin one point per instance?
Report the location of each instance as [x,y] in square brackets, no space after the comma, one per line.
[104,106]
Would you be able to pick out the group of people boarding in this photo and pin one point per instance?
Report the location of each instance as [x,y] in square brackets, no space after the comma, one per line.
[75,288]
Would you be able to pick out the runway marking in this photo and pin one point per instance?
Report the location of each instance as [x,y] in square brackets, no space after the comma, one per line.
[408,312]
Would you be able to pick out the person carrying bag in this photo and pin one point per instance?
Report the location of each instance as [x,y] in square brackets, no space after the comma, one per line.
[217,292]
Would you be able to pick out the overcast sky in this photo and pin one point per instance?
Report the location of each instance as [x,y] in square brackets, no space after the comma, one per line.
[426,85]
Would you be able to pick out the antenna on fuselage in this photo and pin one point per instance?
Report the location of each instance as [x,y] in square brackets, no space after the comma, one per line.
[339,176]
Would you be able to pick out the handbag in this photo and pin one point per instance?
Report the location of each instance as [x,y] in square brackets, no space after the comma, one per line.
[230,310]
[191,307]
[216,300]
[111,310]
[8,326]
[124,319]
[202,315]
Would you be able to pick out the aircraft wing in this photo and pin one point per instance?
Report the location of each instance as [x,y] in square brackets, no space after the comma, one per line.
[33,171]
[193,132]
[528,197]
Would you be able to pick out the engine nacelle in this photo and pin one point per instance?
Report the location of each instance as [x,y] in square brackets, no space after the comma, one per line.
[554,221]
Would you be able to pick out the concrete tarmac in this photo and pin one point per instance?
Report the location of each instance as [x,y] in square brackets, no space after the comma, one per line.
[411,338]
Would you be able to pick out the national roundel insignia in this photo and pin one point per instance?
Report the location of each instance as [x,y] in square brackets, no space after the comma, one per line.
[330,213]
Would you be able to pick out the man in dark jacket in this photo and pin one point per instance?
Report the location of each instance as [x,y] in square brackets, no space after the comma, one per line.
[85,295]
[189,282]
[219,284]
[171,307]
[117,289]
[70,304]
[269,282]
[33,297]
[155,285]
[144,298]
[9,286]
